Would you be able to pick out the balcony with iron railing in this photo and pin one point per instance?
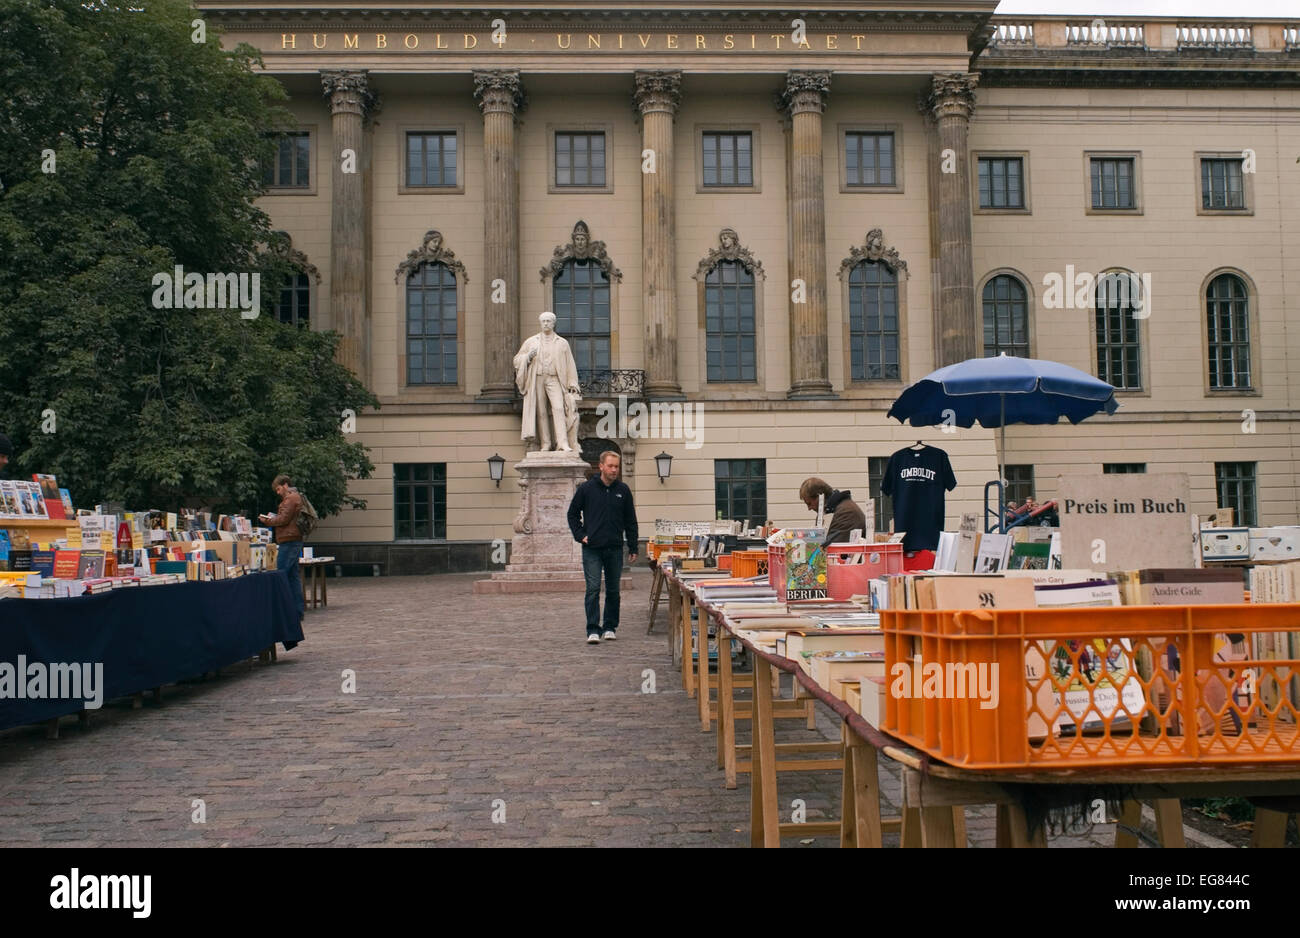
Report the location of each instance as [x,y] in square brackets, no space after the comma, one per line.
[611,383]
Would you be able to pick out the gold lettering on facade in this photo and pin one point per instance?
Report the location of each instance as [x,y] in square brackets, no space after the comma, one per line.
[288,41]
[564,41]
[352,42]
[321,44]
[645,40]
[593,42]
[778,37]
[831,41]
[381,41]
[728,41]
[804,44]
[411,41]
[468,44]
[437,41]
[620,40]
[672,40]
[699,42]
[751,41]
[859,39]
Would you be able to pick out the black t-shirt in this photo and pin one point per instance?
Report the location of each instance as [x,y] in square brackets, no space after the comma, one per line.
[916,479]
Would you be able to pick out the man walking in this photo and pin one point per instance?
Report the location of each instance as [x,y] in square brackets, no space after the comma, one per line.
[288,539]
[601,516]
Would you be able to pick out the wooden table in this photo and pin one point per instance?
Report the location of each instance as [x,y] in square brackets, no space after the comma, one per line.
[311,570]
[935,794]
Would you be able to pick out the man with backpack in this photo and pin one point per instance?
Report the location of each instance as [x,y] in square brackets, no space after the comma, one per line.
[292,523]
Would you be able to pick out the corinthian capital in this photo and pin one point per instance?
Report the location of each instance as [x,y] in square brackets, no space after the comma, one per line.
[951,95]
[657,91]
[804,91]
[349,92]
[499,90]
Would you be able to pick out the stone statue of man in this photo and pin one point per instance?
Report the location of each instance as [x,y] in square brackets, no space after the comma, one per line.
[547,377]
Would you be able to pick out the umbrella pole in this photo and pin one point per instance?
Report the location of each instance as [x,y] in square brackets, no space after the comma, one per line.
[1002,455]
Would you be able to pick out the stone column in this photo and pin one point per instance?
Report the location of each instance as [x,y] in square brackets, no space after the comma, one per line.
[500,95]
[657,96]
[351,101]
[950,104]
[803,99]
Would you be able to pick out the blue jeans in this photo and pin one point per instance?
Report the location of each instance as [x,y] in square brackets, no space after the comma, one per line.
[286,558]
[596,560]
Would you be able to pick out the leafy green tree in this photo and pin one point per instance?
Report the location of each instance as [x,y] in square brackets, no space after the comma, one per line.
[127,148]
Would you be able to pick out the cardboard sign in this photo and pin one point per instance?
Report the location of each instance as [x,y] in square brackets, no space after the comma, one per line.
[1125,522]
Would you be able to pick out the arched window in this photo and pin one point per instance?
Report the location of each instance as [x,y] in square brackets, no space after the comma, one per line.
[294,306]
[1227,315]
[431,325]
[1119,350]
[873,322]
[1006,317]
[581,307]
[729,323]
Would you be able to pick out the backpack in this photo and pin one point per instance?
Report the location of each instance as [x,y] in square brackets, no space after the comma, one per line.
[307,517]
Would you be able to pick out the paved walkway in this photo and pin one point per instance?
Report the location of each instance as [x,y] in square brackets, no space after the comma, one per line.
[465,708]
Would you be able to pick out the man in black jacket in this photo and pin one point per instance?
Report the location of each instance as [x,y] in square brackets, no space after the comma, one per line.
[601,516]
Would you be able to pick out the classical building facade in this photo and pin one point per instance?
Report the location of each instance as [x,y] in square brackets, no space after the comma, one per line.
[761,229]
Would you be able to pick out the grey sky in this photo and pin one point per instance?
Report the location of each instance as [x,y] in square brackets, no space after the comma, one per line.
[1244,9]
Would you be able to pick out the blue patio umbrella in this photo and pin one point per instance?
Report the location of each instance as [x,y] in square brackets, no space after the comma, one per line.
[997,391]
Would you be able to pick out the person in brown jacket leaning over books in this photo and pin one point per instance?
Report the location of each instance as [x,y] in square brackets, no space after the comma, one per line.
[845,515]
[288,538]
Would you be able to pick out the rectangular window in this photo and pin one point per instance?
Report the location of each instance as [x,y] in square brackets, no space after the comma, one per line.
[1235,484]
[1113,184]
[728,159]
[290,166]
[1020,483]
[884,504]
[1002,182]
[869,158]
[294,307]
[1221,184]
[431,327]
[874,323]
[740,490]
[419,501]
[730,323]
[1122,468]
[431,159]
[580,159]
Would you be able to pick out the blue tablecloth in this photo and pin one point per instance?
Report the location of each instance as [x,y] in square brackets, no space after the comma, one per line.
[143,637]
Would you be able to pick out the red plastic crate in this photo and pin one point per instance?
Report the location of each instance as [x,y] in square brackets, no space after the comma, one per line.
[845,577]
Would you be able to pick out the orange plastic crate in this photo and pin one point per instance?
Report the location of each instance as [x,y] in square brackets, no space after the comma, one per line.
[724,561]
[746,563]
[1190,704]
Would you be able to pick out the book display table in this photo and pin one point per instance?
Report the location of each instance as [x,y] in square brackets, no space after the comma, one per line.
[934,793]
[141,637]
[315,592]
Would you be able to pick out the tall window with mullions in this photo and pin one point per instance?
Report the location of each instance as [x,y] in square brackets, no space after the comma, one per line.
[729,323]
[1119,354]
[419,501]
[740,490]
[1006,317]
[431,326]
[873,322]
[581,305]
[1227,316]
[1235,483]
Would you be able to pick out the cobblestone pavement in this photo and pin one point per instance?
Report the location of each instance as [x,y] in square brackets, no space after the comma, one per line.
[465,707]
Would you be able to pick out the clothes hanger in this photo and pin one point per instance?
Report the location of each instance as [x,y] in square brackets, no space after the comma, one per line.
[919,445]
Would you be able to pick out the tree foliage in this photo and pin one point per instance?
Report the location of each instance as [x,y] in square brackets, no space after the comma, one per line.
[155,141]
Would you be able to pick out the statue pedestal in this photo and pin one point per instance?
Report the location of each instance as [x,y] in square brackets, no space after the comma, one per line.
[544,557]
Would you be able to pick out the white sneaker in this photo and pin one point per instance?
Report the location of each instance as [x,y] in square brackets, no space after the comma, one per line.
[609,635]
[593,639]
